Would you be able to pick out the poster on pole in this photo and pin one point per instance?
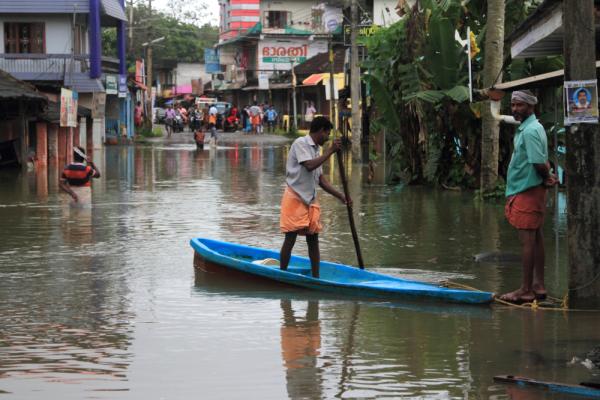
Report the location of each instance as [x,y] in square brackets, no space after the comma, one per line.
[581,102]
[68,108]
[263,80]
[111,84]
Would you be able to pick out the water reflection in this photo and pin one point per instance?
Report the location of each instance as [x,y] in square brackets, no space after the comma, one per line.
[106,298]
[300,345]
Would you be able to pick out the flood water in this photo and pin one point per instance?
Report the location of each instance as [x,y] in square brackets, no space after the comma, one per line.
[104,303]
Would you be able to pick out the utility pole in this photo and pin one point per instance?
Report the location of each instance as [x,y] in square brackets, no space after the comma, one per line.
[332,113]
[355,82]
[582,163]
[149,74]
[295,122]
[130,27]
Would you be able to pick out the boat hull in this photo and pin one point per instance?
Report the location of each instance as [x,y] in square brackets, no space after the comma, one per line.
[335,278]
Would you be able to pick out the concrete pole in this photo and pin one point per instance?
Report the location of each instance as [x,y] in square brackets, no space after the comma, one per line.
[583,163]
[41,148]
[332,115]
[149,82]
[62,146]
[53,145]
[355,83]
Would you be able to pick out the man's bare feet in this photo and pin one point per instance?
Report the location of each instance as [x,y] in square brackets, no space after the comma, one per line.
[519,296]
[540,291]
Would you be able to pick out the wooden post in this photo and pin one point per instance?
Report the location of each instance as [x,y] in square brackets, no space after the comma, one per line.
[582,163]
[69,146]
[355,83]
[41,148]
[62,146]
[89,137]
[24,136]
[76,139]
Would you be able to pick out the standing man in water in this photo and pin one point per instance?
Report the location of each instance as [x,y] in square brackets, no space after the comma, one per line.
[300,211]
[526,182]
[76,178]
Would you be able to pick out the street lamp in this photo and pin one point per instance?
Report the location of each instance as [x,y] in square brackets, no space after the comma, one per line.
[150,104]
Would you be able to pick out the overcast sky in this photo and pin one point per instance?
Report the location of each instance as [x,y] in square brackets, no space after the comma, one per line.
[212,8]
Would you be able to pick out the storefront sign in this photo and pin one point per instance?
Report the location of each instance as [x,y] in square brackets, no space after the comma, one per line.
[98,105]
[211,61]
[263,80]
[282,54]
[123,86]
[581,102]
[111,84]
[68,108]
[364,31]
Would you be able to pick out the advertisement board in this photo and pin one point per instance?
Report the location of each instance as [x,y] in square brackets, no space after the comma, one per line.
[279,55]
[68,108]
[111,84]
[211,61]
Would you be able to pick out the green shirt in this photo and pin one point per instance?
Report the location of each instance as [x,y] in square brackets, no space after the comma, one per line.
[530,147]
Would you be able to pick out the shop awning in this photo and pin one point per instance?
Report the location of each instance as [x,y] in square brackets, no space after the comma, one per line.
[314,79]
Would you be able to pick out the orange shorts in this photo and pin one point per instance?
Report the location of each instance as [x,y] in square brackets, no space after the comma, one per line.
[526,210]
[298,217]
[256,120]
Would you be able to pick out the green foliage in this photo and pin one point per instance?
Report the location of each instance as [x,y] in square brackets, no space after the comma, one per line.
[147,131]
[417,76]
[184,41]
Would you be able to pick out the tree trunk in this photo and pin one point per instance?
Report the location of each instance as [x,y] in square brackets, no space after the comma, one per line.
[583,163]
[490,128]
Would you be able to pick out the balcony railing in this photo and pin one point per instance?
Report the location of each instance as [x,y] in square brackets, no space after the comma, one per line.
[44,67]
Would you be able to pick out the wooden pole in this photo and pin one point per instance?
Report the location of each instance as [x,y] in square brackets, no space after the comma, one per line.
[361,264]
[355,83]
[582,163]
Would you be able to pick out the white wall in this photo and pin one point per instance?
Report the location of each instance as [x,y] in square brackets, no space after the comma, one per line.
[58,31]
[185,72]
[381,16]
[301,11]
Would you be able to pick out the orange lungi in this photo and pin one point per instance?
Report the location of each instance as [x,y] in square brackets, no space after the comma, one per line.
[296,216]
[526,210]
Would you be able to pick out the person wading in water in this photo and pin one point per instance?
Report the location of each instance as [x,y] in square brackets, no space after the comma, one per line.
[300,211]
[526,182]
[76,178]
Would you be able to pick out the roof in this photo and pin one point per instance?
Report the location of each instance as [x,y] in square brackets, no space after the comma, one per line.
[320,63]
[555,78]
[82,83]
[113,8]
[542,10]
[13,89]
[109,7]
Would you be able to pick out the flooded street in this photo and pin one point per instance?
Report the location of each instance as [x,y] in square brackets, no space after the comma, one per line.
[104,302]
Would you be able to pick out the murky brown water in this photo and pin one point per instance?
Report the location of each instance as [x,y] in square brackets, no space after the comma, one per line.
[104,302]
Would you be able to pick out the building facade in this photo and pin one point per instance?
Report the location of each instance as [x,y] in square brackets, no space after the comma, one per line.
[55,44]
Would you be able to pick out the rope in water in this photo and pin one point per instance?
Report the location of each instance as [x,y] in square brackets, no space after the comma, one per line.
[563,304]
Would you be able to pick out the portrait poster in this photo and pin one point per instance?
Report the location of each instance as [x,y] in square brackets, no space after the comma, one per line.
[581,102]
[68,108]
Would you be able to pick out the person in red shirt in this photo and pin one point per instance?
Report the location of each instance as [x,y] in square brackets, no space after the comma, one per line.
[138,114]
[76,178]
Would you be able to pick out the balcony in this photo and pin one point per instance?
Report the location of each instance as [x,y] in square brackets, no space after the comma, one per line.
[43,67]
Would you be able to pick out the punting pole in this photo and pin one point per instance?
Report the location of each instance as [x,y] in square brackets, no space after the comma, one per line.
[361,264]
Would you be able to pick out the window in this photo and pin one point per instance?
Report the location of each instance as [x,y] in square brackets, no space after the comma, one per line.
[24,37]
[276,19]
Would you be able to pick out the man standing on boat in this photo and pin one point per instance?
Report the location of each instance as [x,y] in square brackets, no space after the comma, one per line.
[300,210]
[528,178]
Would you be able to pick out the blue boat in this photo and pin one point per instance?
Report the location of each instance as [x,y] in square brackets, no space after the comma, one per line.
[336,278]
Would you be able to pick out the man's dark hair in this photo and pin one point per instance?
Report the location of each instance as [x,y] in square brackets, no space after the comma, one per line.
[77,157]
[319,123]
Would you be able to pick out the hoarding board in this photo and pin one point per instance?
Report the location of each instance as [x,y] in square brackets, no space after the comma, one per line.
[280,55]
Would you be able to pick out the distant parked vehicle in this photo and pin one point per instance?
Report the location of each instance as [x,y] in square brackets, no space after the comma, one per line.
[159,115]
